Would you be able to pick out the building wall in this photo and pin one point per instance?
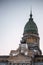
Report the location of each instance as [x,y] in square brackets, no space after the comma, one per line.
[3,63]
[39,63]
[19,64]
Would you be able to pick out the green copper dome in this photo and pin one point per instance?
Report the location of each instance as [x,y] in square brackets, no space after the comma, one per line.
[30,26]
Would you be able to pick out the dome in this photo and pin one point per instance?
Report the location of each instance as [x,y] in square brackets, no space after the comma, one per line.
[30,26]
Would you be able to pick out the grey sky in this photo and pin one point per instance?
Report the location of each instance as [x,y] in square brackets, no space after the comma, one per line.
[13,16]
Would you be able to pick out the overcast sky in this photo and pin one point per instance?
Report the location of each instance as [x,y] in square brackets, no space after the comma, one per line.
[13,16]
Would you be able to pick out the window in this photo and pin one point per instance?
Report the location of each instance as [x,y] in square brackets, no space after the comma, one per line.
[31,40]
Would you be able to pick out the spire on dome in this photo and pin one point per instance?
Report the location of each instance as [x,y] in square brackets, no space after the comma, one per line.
[31,13]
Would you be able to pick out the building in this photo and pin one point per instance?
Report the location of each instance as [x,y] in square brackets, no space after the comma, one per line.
[29,52]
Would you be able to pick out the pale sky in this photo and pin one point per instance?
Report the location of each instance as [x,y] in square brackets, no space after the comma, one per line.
[13,16]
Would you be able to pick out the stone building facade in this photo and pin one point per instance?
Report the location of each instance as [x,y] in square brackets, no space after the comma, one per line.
[29,52]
